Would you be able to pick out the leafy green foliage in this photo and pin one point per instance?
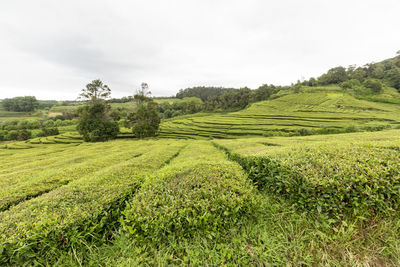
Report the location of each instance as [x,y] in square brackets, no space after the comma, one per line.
[95,121]
[200,191]
[48,131]
[145,121]
[20,104]
[350,84]
[351,178]
[228,98]
[335,75]
[95,91]
[386,71]
[187,105]
[374,84]
[95,124]
[18,135]
[394,77]
[85,210]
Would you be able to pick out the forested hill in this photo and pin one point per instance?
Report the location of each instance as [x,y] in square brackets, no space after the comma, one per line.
[368,79]
[386,72]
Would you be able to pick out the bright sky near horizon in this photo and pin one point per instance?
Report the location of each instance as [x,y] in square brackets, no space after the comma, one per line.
[52,49]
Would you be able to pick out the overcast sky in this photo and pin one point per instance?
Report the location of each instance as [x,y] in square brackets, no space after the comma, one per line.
[52,49]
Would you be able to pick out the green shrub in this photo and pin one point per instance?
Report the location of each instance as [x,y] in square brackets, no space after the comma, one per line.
[350,84]
[18,135]
[304,132]
[48,131]
[49,123]
[191,195]
[328,131]
[357,181]
[374,84]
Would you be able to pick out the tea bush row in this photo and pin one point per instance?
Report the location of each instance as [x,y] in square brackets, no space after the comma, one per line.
[86,210]
[351,179]
[19,186]
[200,191]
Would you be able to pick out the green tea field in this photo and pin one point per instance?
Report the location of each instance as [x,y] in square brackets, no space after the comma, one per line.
[312,111]
[314,200]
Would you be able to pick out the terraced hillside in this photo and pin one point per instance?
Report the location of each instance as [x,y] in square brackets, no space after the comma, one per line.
[313,110]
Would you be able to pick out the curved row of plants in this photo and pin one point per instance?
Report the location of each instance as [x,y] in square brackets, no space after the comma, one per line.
[345,179]
[200,191]
[84,211]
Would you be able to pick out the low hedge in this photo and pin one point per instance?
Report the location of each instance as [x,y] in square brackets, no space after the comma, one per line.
[357,181]
[190,195]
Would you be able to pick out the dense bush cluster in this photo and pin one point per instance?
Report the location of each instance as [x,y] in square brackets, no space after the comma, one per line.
[20,104]
[26,129]
[18,135]
[34,124]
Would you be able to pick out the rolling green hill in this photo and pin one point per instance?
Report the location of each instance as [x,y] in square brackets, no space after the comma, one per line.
[313,110]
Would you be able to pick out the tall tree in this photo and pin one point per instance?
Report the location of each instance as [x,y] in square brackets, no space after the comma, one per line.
[142,95]
[95,120]
[145,120]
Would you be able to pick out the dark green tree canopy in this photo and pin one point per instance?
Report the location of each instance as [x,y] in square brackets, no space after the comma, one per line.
[95,124]
[374,84]
[20,104]
[386,71]
[145,121]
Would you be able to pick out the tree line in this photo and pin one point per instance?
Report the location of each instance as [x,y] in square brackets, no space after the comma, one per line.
[20,104]
[372,75]
[197,99]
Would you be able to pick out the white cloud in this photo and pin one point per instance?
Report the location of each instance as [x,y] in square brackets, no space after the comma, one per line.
[51,49]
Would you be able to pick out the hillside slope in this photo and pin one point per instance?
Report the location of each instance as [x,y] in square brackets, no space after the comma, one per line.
[316,110]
